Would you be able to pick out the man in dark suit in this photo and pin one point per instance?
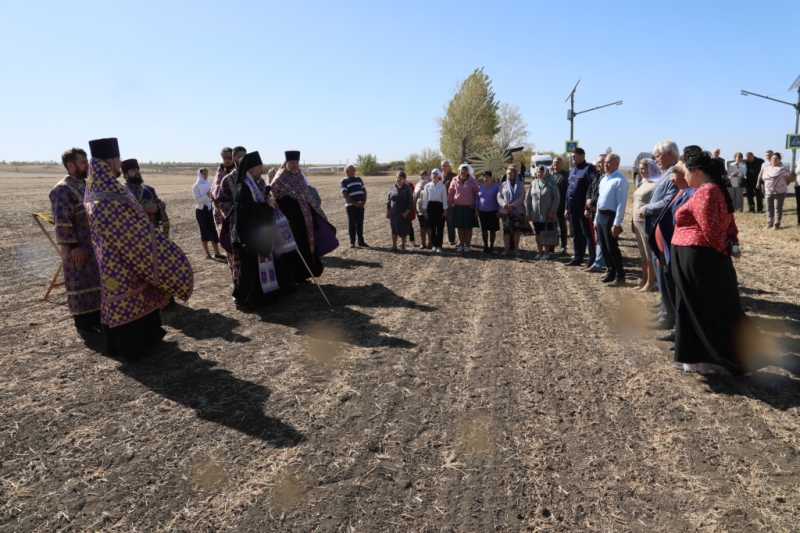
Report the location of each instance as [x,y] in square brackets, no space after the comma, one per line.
[753,165]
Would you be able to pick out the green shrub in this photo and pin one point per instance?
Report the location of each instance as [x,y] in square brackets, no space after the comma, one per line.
[367,164]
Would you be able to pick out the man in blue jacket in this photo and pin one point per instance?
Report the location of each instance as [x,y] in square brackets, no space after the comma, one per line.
[665,225]
[666,153]
[580,177]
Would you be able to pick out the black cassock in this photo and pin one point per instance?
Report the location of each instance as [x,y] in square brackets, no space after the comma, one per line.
[291,209]
[255,231]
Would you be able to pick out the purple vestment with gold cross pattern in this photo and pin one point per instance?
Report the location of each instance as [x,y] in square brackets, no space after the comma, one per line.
[72,228]
[140,268]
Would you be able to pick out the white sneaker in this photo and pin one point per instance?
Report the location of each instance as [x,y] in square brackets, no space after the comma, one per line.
[460,249]
[467,249]
[538,256]
[440,250]
[545,257]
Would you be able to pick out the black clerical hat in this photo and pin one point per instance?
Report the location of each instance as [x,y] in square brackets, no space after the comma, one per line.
[129,164]
[104,148]
[253,160]
[293,155]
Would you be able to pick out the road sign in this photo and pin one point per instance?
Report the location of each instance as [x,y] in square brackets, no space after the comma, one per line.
[793,142]
[570,146]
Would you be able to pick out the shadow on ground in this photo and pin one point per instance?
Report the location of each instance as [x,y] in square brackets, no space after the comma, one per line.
[306,309]
[215,394]
[776,390]
[348,264]
[202,324]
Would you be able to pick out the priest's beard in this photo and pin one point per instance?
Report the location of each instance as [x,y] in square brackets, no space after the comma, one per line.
[81,174]
[136,180]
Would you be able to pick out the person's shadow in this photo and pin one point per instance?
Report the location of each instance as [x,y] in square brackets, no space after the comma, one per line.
[347,263]
[201,324]
[215,394]
[306,308]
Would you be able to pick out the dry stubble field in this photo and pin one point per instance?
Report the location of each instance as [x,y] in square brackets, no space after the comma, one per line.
[441,393]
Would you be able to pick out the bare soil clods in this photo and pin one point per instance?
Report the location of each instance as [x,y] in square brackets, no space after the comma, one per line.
[440,393]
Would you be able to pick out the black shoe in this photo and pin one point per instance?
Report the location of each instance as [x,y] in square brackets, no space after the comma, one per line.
[363,245]
[607,279]
[661,324]
[486,250]
[352,245]
[575,263]
[618,282]
[669,337]
[222,257]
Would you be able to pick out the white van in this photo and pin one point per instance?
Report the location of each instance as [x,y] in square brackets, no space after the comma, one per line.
[540,159]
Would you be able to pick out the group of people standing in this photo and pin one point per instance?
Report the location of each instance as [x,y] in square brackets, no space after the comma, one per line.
[121,268]
[683,224]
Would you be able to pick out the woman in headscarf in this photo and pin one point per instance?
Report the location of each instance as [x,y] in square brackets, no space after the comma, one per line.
[511,199]
[486,211]
[542,207]
[398,210]
[424,226]
[462,196]
[650,173]
[712,333]
[434,207]
[776,179]
[205,218]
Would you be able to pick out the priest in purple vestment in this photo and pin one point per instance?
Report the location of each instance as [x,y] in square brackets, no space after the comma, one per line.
[81,276]
[140,267]
[315,236]
[154,208]
[222,201]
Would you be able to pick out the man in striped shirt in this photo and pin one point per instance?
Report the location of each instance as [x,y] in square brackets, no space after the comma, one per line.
[355,195]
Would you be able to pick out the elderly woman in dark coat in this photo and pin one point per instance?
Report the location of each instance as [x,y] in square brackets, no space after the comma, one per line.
[398,211]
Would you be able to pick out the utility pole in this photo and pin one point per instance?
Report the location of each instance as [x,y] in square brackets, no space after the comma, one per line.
[571,114]
[795,85]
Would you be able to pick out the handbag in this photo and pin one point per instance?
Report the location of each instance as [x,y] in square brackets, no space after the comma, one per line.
[549,237]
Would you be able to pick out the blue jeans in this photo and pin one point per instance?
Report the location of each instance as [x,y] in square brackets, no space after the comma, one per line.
[599,262]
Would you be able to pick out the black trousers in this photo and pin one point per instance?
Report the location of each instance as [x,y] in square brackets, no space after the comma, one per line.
[797,202]
[610,245]
[583,236]
[355,223]
[436,222]
[751,192]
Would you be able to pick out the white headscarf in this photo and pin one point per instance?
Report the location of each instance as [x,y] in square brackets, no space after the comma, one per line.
[203,186]
[653,170]
[464,165]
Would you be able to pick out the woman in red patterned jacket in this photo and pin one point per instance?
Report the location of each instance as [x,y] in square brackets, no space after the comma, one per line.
[712,333]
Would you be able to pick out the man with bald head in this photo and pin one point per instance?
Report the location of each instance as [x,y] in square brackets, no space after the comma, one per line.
[355,197]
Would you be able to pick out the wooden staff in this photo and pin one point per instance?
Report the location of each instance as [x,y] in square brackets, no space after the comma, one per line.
[312,276]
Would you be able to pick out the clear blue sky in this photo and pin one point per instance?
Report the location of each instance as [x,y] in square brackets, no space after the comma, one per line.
[176,81]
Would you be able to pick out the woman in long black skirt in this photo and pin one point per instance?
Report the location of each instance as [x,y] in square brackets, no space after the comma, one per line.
[712,333]
[205,219]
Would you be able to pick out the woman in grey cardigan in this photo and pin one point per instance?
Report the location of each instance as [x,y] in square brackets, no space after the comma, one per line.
[542,206]
[398,210]
[511,199]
